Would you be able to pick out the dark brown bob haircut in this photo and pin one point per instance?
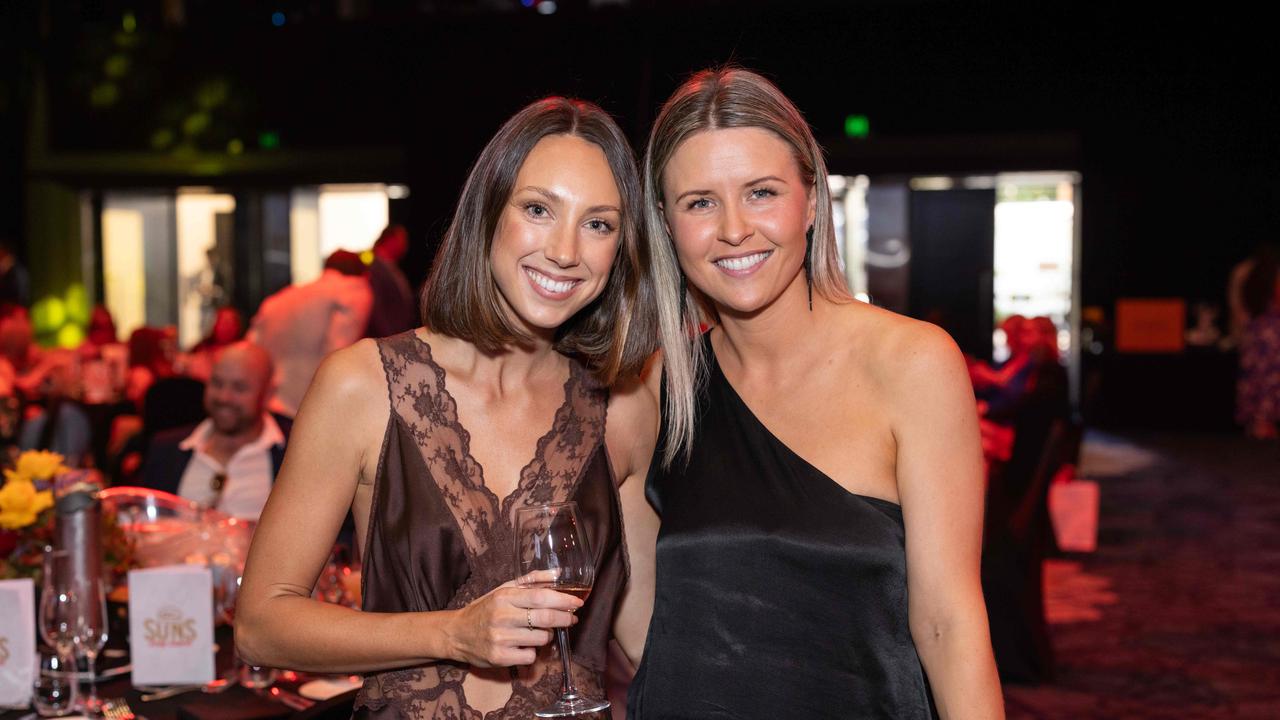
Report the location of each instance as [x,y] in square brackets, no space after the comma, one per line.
[616,332]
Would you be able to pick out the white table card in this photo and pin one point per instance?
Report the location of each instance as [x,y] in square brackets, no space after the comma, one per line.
[17,642]
[171,625]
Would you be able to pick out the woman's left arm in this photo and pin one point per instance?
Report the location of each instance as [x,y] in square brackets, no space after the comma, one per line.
[940,485]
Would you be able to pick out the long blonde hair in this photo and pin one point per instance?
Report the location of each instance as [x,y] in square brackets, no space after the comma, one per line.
[728,97]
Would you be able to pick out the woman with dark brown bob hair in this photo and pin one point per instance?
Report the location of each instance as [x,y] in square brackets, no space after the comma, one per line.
[820,480]
[538,303]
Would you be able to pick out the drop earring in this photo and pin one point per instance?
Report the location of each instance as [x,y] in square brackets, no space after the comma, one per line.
[808,264]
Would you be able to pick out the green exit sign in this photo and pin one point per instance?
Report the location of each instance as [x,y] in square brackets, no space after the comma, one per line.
[857,126]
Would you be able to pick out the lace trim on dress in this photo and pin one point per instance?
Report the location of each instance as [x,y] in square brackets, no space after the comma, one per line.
[422,405]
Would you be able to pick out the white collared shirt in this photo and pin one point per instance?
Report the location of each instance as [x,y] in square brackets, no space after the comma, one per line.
[248,474]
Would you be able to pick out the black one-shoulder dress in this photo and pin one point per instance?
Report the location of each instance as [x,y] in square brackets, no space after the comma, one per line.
[779,593]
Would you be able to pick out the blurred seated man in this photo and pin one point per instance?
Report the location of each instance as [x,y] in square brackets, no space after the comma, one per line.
[228,461]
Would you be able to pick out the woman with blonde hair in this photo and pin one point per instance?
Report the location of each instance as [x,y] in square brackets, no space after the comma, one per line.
[537,303]
[819,476]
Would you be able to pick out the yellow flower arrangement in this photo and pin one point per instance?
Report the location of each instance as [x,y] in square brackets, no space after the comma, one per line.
[34,465]
[27,522]
[20,502]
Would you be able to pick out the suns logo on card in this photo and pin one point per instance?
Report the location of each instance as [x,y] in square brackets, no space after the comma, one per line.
[4,651]
[169,628]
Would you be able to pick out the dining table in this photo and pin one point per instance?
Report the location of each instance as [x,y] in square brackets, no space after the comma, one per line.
[280,700]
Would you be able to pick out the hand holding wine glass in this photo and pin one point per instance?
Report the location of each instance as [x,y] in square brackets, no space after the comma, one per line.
[505,627]
[552,553]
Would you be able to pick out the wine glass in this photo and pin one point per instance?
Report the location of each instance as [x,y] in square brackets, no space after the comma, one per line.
[89,610]
[551,538]
[73,618]
[57,604]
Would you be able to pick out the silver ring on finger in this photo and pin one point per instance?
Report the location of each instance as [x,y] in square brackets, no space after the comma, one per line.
[528,618]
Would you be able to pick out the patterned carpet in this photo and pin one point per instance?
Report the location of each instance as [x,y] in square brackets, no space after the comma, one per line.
[1177,615]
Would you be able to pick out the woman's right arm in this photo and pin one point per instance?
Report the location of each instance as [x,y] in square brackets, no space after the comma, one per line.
[335,443]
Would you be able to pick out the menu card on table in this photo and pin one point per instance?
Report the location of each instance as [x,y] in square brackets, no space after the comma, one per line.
[17,642]
[171,625]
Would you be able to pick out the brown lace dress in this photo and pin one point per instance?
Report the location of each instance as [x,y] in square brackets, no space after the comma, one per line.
[438,538]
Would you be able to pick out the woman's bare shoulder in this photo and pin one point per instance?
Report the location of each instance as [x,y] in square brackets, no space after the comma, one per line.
[631,430]
[352,372]
[896,349]
[349,391]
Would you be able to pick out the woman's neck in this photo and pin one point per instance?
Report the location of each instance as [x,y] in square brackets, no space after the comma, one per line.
[517,366]
[777,334]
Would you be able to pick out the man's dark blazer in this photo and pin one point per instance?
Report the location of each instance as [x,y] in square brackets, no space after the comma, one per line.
[166,461]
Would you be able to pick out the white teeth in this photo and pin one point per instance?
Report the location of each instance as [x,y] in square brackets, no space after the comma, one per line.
[743,263]
[552,286]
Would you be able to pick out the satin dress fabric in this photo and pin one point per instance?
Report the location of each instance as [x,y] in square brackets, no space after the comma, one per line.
[439,538]
[779,593]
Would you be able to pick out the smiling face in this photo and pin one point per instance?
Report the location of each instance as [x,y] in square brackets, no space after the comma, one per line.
[238,389]
[558,234]
[738,209]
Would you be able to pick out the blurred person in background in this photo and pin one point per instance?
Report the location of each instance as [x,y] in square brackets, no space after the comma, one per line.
[1018,534]
[228,461]
[18,353]
[104,359]
[228,328]
[1002,382]
[59,423]
[394,308]
[1258,386]
[24,367]
[301,324]
[15,282]
[102,328]
[151,357]
[1238,309]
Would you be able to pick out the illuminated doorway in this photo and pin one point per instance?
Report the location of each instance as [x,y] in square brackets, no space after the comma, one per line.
[173,256]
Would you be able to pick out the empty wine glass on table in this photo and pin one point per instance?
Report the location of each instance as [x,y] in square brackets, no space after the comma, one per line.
[56,616]
[90,613]
[552,538]
[73,619]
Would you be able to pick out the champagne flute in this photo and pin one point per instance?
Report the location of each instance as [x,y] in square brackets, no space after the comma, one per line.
[89,604]
[73,617]
[57,620]
[551,537]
